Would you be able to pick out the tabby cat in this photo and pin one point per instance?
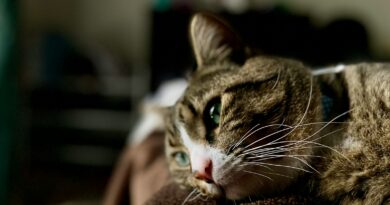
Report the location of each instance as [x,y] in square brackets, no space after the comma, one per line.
[250,125]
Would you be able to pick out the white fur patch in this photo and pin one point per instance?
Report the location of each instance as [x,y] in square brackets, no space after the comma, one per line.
[152,119]
[326,70]
[199,152]
[351,143]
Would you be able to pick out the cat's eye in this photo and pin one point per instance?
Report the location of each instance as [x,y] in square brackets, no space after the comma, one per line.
[182,159]
[215,113]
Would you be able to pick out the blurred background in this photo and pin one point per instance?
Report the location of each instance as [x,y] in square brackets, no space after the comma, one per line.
[73,72]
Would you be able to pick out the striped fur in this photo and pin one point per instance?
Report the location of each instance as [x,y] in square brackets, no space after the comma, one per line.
[271,135]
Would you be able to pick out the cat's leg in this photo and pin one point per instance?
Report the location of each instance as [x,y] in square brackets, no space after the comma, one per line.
[364,179]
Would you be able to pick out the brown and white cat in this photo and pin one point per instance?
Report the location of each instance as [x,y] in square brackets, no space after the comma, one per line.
[250,125]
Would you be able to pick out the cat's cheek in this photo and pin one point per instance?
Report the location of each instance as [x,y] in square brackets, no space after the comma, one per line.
[243,185]
[239,189]
[235,193]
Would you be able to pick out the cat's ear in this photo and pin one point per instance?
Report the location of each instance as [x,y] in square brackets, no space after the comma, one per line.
[213,41]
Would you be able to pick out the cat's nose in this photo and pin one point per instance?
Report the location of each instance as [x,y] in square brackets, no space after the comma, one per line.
[204,171]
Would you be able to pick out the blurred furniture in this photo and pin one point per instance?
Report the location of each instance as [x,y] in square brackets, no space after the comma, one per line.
[8,98]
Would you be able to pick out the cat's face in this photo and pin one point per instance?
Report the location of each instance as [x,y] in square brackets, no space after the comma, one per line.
[239,128]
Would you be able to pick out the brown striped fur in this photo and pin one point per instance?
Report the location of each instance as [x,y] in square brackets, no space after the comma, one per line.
[354,167]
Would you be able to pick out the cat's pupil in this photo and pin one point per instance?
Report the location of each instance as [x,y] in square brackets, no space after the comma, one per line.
[182,159]
[215,113]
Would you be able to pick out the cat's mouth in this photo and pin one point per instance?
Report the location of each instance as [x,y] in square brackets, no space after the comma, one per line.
[212,190]
[216,191]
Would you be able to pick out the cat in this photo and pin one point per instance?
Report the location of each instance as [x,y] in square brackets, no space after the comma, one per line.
[251,125]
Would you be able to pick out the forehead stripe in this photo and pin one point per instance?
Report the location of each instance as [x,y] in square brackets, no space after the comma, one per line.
[190,106]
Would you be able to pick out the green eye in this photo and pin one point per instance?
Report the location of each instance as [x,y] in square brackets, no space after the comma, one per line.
[215,113]
[182,159]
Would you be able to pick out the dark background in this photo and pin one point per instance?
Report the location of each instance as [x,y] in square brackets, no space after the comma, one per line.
[72,74]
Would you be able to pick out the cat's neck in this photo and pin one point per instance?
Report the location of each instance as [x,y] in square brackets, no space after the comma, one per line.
[335,105]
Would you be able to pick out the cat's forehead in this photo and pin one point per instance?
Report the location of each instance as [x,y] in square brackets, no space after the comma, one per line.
[214,79]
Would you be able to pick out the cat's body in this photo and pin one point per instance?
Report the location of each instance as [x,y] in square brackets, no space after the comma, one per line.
[365,178]
[251,126]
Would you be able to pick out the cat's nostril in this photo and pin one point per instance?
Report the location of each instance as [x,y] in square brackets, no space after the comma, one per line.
[205,172]
[204,177]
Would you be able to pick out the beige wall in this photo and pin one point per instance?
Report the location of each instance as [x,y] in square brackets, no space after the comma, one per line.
[121,26]
[128,20]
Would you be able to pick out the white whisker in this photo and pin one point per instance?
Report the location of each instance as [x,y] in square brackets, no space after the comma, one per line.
[258,174]
[282,155]
[277,79]
[189,196]
[199,194]
[286,166]
[304,140]
[238,142]
[291,143]
[277,174]
[314,123]
[250,134]
[260,165]
[257,141]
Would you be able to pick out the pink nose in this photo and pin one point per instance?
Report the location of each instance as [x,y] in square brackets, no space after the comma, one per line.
[204,171]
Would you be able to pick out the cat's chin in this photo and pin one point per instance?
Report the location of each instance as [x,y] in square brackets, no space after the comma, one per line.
[210,189]
[231,192]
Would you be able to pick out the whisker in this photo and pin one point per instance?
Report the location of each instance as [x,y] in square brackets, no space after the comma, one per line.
[324,128]
[235,144]
[331,148]
[286,166]
[269,135]
[296,155]
[199,194]
[292,127]
[189,196]
[276,140]
[303,142]
[283,148]
[271,152]
[313,123]
[307,106]
[318,145]
[247,163]
[277,79]
[251,133]
[328,123]
[327,134]
[304,114]
[305,162]
[258,174]
[262,156]
[250,199]
[277,174]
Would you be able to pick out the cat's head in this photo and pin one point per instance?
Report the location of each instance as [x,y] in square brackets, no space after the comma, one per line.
[240,129]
